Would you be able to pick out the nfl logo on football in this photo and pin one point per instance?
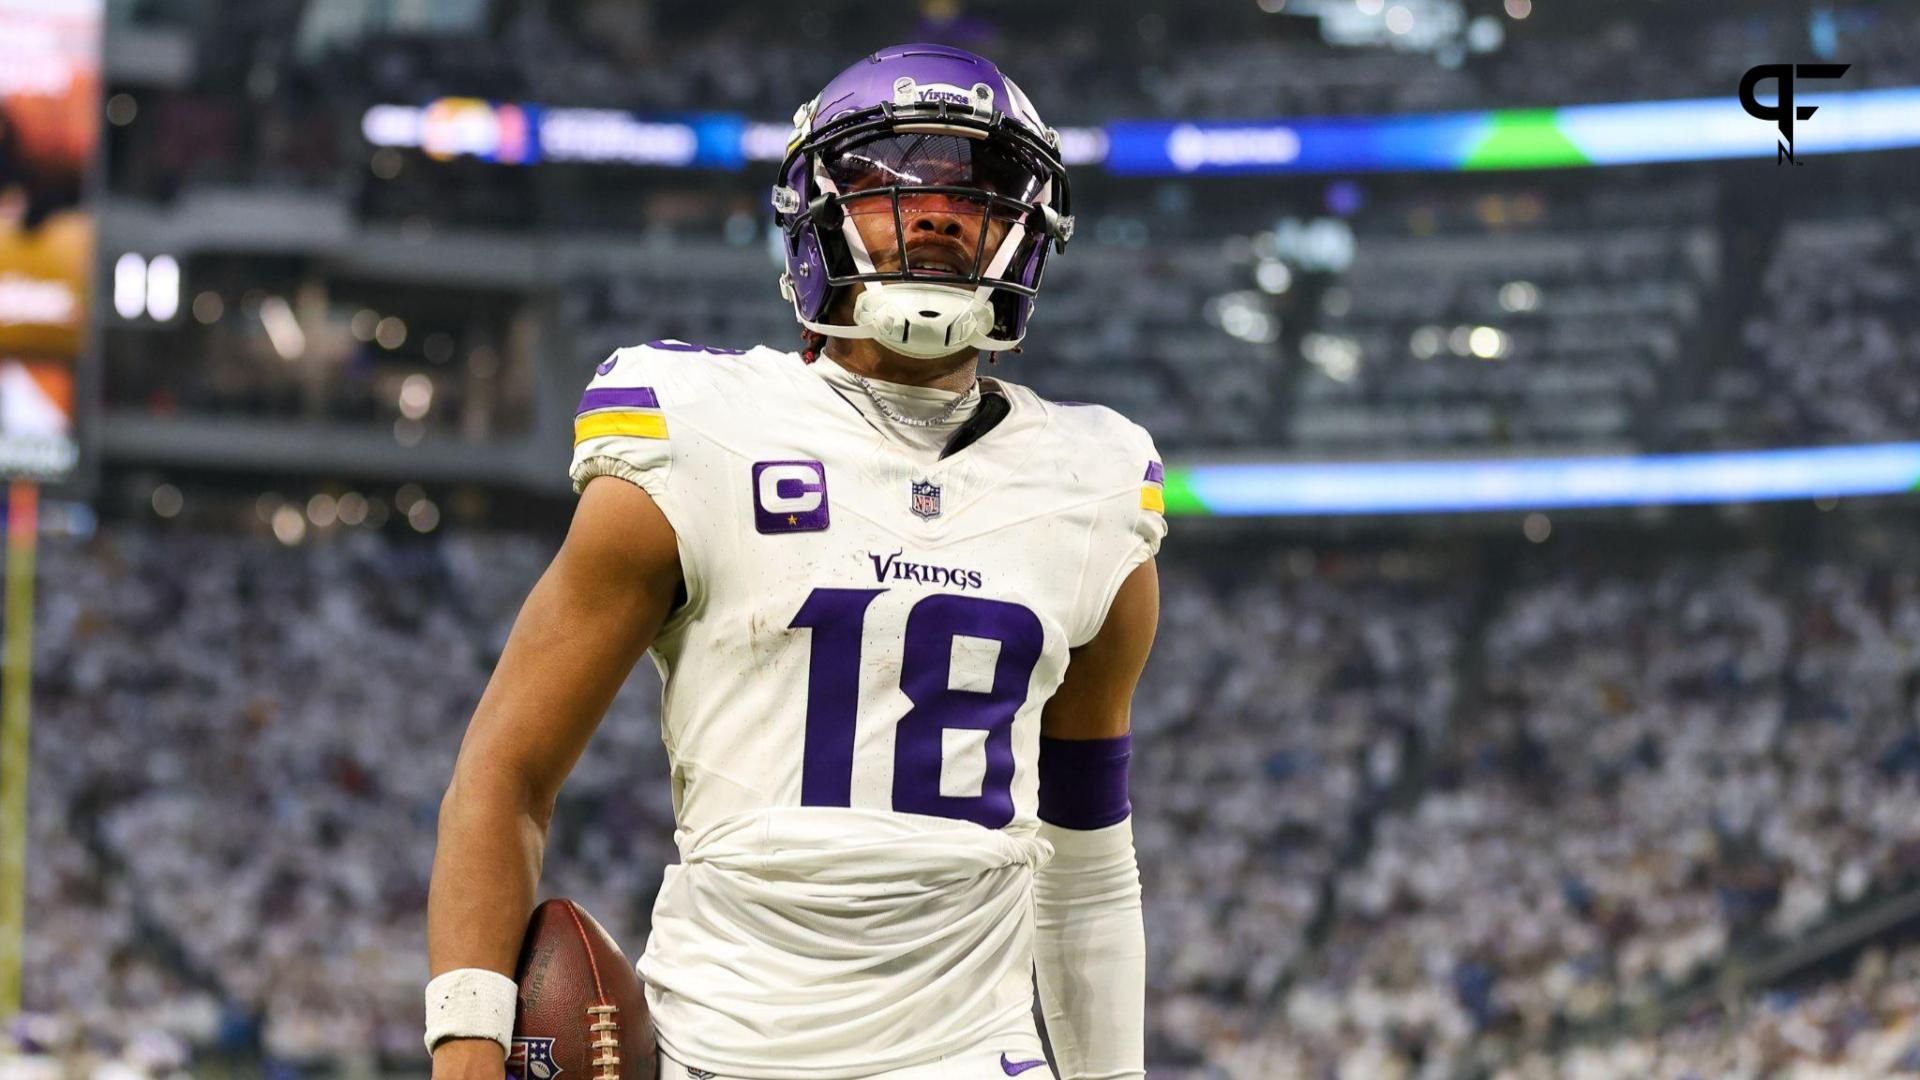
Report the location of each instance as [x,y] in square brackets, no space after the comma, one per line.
[926,499]
[532,1059]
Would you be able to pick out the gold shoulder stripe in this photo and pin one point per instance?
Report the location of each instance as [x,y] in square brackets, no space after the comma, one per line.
[640,425]
[1152,499]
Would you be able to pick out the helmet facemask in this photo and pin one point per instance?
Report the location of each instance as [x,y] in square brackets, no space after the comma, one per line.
[968,208]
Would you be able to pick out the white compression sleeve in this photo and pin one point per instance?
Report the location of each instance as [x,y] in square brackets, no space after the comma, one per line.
[1090,949]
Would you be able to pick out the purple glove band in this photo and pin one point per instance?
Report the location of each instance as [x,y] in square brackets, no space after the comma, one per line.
[1083,782]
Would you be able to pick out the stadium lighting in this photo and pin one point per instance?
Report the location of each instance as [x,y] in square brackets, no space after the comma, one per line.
[167,501]
[1519,296]
[289,525]
[283,330]
[424,516]
[1485,34]
[323,510]
[1519,9]
[351,508]
[1244,317]
[1487,343]
[163,288]
[1273,277]
[130,285]
[390,332]
[416,396]
[1336,356]
[1324,244]
[1426,342]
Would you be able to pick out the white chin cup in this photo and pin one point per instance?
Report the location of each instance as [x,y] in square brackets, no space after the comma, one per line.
[924,320]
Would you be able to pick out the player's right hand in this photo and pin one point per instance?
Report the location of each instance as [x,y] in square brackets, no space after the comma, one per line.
[469,1059]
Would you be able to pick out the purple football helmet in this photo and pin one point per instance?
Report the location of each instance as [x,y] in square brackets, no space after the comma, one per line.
[908,127]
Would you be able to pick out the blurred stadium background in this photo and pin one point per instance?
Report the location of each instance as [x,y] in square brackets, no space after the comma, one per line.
[1569,728]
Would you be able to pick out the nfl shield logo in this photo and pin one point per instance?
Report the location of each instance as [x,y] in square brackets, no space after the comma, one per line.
[926,500]
[532,1059]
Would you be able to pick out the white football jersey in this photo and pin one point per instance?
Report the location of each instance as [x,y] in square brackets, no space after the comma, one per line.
[852,700]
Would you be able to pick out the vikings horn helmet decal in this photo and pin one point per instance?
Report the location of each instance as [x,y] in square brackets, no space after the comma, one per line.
[909,127]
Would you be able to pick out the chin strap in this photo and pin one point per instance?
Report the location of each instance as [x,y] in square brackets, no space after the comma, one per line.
[923,320]
[918,320]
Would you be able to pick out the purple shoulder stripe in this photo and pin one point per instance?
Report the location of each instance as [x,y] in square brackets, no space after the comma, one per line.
[619,397]
[1156,473]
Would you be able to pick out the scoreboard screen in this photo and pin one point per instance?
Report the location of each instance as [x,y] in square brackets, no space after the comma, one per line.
[49,134]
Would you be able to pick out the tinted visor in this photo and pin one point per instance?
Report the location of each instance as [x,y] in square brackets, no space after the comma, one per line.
[913,159]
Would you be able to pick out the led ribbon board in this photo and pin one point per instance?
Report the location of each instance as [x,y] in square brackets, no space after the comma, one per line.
[1580,135]
[1429,487]
[1632,133]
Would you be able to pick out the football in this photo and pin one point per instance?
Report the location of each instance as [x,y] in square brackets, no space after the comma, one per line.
[581,1014]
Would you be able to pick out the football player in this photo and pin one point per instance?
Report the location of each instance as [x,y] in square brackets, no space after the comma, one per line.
[899,609]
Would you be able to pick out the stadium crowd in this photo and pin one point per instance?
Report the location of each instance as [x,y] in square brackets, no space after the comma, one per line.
[1592,302]
[1838,287]
[1866,1023]
[1275,717]
[245,746]
[1499,315]
[1381,835]
[1658,766]
[763,60]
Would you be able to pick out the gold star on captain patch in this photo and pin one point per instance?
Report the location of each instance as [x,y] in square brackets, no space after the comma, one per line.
[791,520]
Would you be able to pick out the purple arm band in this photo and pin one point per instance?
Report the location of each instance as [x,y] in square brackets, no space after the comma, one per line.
[1083,782]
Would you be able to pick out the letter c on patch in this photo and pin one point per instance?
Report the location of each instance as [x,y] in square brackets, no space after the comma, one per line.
[789,496]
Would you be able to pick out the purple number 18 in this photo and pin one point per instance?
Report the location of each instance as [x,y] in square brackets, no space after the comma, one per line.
[837,617]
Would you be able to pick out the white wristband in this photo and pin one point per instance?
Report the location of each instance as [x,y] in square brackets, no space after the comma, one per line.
[471,1003]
